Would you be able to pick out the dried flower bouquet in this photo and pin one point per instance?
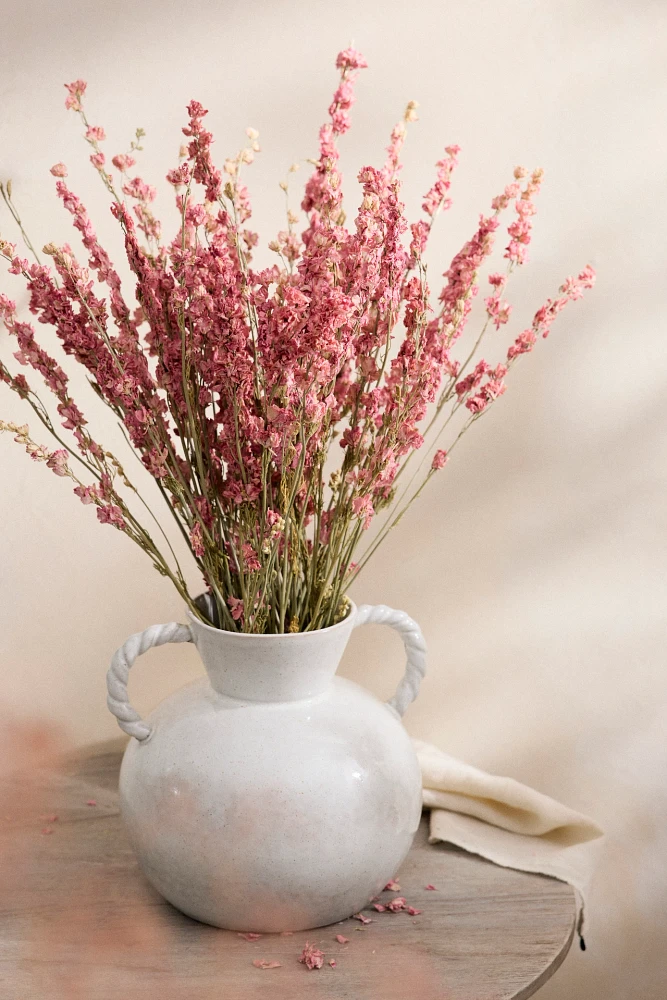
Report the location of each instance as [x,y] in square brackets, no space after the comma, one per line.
[278,410]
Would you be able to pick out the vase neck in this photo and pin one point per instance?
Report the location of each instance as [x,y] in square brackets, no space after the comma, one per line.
[271,668]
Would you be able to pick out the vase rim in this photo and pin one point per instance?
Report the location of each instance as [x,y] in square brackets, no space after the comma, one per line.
[352,610]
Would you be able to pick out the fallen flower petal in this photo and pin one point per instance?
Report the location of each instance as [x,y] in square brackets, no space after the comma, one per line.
[360,916]
[392,887]
[91,802]
[411,910]
[332,963]
[312,957]
[432,887]
[397,904]
[379,907]
[261,963]
[249,936]
[342,939]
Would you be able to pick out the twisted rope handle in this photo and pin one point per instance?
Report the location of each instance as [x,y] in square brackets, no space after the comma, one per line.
[415,647]
[129,719]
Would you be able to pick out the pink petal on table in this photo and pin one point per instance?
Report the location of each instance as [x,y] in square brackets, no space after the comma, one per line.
[397,904]
[432,887]
[91,802]
[261,963]
[379,907]
[312,957]
[360,916]
[411,910]
[392,886]
[250,936]
[332,963]
[341,939]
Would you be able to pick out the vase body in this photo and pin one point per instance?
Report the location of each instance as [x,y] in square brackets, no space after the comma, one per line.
[271,795]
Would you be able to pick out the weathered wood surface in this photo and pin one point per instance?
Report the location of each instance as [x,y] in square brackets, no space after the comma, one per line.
[78,920]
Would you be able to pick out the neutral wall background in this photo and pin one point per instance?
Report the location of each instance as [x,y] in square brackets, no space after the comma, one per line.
[536,562]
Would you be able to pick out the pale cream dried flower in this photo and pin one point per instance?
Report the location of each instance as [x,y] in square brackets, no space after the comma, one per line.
[411,111]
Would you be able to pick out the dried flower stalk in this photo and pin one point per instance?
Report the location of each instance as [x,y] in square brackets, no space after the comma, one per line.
[238,387]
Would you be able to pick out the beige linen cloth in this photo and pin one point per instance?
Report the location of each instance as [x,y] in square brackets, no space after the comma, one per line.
[507,822]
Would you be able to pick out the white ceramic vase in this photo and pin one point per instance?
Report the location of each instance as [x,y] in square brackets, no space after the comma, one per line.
[271,795]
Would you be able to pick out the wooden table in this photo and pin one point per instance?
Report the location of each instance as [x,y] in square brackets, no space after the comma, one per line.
[78,920]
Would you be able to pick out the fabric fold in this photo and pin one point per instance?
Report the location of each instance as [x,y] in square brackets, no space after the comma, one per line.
[508,823]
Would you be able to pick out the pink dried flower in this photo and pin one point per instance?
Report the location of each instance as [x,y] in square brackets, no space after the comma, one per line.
[342,939]
[412,911]
[520,230]
[111,514]
[497,310]
[180,176]
[430,887]
[136,188]
[75,92]
[250,936]
[363,919]
[436,199]
[522,345]
[203,170]
[58,462]
[571,290]
[236,605]
[197,540]
[59,170]
[379,907]
[95,133]
[392,886]
[439,460]
[312,957]
[333,963]
[87,494]
[350,59]
[123,162]
[363,509]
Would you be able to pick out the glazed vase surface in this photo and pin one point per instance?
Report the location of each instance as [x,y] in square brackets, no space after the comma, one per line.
[271,795]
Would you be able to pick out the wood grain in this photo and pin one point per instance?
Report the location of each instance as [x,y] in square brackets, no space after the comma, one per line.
[78,920]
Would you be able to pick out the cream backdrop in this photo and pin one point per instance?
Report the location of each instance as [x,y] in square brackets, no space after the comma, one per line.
[536,562]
